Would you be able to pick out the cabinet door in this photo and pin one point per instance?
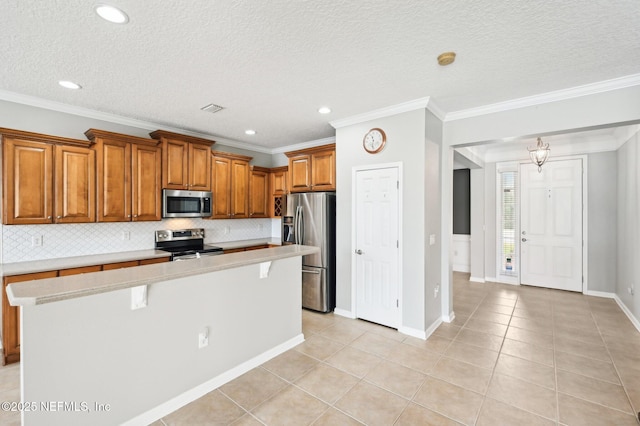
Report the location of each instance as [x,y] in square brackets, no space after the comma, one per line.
[199,167]
[300,173]
[279,182]
[221,172]
[239,189]
[258,194]
[28,182]
[11,316]
[146,191]
[114,181]
[75,184]
[323,171]
[175,164]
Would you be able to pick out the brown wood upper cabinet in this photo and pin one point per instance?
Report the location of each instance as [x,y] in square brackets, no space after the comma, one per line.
[279,177]
[186,161]
[259,192]
[47,179]
[312,169]
[128,170]
[230,176]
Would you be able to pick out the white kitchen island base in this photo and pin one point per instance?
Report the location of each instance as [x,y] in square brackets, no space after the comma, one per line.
[94,360]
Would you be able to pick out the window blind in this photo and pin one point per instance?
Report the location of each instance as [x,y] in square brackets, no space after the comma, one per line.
[508,223]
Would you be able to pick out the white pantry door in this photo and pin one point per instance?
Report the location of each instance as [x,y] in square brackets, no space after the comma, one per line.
[551,225]
[376,251]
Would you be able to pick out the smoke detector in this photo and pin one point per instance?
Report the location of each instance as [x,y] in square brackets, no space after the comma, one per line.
[212,108]
[446,58]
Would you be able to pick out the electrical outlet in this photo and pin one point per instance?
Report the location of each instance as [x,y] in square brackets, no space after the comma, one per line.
[203,338]
[632,290]
[126,235]
[37,241]
[436,290]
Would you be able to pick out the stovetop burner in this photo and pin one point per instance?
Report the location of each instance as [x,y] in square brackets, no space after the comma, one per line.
[184,242]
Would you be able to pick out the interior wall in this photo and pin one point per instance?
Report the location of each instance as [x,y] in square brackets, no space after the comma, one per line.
[433,291]
[628,212]
[490,222]
[602,221]
[476,256]
[406,144]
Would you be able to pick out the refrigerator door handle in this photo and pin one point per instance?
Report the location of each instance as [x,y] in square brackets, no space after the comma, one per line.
[301,226]
[296,226]
[307,271]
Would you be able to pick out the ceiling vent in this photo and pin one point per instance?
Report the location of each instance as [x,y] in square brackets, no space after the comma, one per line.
[212,108]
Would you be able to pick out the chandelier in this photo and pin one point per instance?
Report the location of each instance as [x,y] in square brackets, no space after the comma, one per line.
[539,154]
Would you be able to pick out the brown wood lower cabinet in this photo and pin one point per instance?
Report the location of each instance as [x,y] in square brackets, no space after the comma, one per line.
[236,250]
[81,270]
[11,316]
[154,260]
[120,265]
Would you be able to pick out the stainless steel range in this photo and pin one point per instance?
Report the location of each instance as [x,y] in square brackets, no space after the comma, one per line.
[184,244]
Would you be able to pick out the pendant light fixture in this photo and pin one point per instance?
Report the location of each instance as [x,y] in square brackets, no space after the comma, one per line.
[539,154]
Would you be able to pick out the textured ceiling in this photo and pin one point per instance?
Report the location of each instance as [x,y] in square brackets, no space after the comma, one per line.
[271,64]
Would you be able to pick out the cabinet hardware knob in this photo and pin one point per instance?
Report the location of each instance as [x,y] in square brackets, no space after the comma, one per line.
[48,217]
[128,215]
[135,215]
[58,217]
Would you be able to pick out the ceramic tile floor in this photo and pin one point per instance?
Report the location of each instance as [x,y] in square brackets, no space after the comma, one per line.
[513,356]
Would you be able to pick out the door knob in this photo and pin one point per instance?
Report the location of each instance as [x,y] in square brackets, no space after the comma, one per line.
[359,251]
[524,240]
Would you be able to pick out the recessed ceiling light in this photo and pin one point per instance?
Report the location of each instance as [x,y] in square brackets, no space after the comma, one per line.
[111,14]
[324,110]
[69,84]
[250,132]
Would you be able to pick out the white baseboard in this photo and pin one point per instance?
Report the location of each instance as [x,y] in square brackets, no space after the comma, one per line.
[414,332]
[461,268]
[627,312]
[344,313]
[605,294]
[203,389]
[449,318]
[491,279]
[476,280]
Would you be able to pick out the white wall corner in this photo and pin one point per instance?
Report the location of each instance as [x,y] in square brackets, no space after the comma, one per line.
[449,317]
[436,110]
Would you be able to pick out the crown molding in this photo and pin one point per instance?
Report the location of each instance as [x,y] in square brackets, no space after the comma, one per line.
[303,145]
[559,95]
[119,119]
[381,113]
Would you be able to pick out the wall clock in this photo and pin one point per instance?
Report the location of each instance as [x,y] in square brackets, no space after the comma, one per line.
[374,140]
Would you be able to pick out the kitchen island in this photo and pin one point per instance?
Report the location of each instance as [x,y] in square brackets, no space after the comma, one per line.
[131,345]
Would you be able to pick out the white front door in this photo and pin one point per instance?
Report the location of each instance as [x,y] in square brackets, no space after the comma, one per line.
[376,250]
[551,225]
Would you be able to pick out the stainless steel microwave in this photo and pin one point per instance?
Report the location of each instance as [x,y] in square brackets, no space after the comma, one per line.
[179,203]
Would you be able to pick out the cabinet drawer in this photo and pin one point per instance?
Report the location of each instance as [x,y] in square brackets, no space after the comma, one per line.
[81,270]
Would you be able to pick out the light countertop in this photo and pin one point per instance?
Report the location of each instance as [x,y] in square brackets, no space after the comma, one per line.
[55,264]
[69,287]
[33,266]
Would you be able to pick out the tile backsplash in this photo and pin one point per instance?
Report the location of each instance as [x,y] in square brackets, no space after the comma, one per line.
[35,242]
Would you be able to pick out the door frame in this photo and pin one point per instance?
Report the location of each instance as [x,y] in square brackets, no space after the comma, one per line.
[585,222]
[354,170]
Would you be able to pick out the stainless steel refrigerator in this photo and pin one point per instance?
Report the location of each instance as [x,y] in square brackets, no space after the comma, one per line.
[310,219]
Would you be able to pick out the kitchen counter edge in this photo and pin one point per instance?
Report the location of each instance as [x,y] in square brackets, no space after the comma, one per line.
[70,287]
